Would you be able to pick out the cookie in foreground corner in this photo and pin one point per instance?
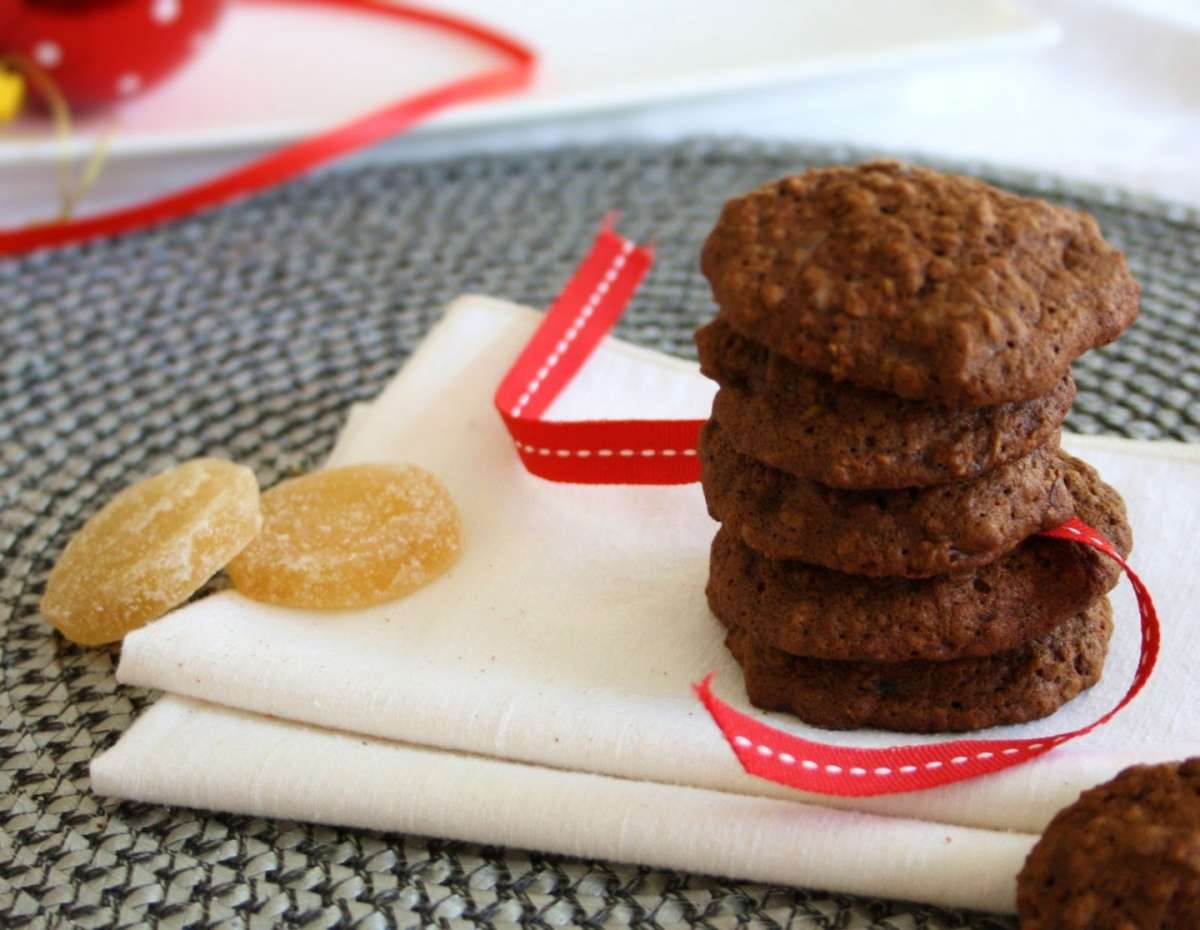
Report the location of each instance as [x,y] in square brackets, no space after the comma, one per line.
[1125,856]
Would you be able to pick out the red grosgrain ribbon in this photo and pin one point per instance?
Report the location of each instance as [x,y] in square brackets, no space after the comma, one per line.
[513,73]
[663,452]
[590,451]
[854,772]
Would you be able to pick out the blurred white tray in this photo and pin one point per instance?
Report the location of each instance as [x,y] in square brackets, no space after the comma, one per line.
[274,72]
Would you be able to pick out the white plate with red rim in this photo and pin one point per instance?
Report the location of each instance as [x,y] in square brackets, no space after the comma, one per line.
[274,72]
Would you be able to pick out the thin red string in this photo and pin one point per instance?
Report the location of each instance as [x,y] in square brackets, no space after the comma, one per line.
[664,452]
[513,74]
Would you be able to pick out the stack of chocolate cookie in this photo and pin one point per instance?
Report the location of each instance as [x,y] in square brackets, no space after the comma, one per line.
[893,350]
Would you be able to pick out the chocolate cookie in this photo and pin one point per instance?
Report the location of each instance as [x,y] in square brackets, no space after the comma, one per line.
[1125,856]
[930,286]
[912,533]
[820,613]
[802,422]
[1026,683]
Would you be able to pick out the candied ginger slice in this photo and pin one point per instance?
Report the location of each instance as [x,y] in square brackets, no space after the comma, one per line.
[150,549]
[350,537]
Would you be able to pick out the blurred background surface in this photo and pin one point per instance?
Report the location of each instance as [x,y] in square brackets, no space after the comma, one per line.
[1099,90]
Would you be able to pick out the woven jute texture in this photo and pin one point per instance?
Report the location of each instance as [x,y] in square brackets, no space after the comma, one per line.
[247,333]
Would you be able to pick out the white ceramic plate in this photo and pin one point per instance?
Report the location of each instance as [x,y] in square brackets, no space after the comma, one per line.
[274,72]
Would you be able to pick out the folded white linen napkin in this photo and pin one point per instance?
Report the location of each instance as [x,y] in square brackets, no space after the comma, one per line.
[570,631]
[191,754]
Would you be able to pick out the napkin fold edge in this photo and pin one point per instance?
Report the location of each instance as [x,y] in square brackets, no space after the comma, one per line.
[189,753]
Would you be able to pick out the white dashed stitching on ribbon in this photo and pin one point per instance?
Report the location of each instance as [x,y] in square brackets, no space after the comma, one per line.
[787,758]
[601,453]
[577,325]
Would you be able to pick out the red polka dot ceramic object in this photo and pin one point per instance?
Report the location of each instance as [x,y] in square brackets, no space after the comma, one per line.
[102,51]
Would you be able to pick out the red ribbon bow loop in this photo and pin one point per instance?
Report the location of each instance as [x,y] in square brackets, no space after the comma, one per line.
[590,451]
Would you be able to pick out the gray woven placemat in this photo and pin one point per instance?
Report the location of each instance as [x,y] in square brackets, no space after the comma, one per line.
[247,333]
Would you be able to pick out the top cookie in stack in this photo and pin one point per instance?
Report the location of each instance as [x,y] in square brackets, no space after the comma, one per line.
[928,286]
[893,348]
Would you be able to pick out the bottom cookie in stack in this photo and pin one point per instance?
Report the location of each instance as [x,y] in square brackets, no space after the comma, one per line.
[1022,684]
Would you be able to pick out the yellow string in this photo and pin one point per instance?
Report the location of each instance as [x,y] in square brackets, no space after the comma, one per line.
[15,72]
[12,94]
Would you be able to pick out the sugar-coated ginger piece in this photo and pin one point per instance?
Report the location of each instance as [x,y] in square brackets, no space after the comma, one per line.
[150,549]
[350,537]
